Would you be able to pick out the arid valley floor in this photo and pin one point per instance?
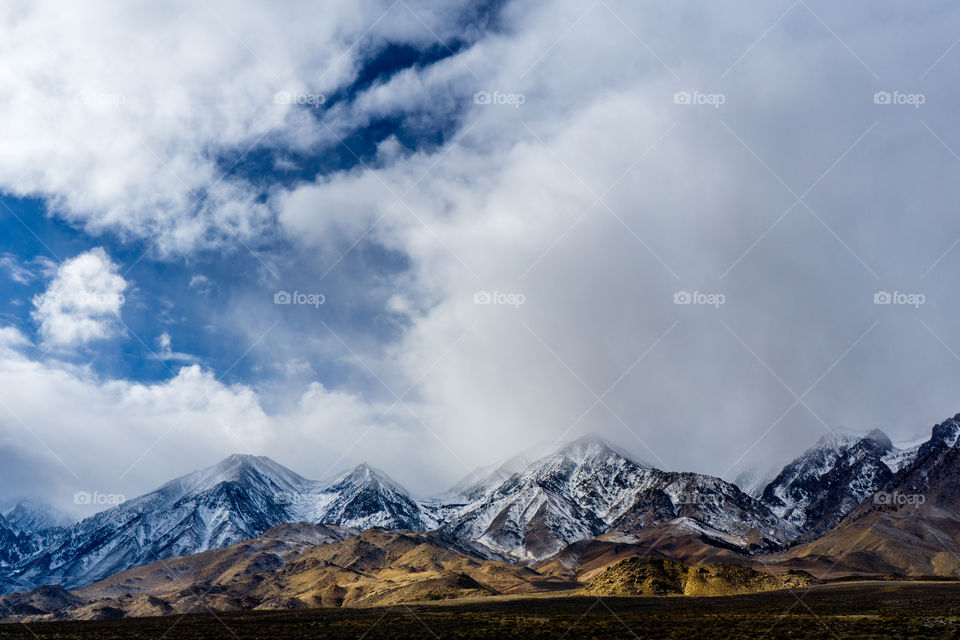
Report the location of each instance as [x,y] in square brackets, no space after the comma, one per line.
[863,609]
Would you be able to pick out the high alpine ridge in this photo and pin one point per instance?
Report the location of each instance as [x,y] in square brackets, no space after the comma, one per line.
[240,498]
[526,509]
[587,488]
[829,480]
[27,527]
[908,527]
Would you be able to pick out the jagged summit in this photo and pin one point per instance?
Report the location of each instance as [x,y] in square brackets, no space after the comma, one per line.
[588,487]
[830,479]
[240,497]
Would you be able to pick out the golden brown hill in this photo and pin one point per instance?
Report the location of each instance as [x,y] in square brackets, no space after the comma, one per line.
[292,566]
[662,577]
[301,565]
[582,560]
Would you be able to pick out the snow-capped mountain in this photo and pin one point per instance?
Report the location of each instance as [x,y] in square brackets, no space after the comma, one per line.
[26,528]
[587,488]
[525,509]
[239,498]
[946,434]
[27,516]
[366,497]
[830,479]
[910,526]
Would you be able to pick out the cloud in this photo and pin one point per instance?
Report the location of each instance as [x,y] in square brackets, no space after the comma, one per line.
[82,303]
[601,196]
[597,197]
[201,284]
[17,272]
[118,436]
[166,353]
[136,131]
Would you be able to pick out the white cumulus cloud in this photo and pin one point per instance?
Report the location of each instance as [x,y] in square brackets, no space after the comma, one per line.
[82,302]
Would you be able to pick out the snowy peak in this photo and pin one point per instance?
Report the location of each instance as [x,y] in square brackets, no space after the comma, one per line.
[366,497]
[588,487]
[830,479]
[946,434]
[238,468]
[238,498]
[844,440]
[366,476]
[593,447]
[27,516]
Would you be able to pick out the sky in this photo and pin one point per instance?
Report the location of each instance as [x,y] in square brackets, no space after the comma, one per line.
[429,235]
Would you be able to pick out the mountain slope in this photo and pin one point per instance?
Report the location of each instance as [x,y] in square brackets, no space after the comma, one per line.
[365,497]
[829,480]
[237,499]
[291,566]
[911,526]
[588,488]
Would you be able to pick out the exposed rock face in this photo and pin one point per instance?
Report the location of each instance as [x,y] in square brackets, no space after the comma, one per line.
[828,481]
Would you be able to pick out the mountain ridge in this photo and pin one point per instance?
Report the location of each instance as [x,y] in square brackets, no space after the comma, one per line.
[525,509]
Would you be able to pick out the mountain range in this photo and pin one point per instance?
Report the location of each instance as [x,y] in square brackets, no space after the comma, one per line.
[854,503]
